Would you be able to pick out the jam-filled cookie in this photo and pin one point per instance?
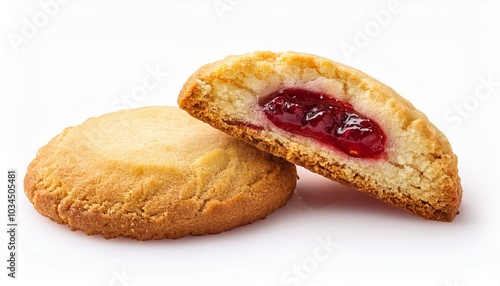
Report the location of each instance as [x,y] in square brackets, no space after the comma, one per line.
[153,173]
[333,120]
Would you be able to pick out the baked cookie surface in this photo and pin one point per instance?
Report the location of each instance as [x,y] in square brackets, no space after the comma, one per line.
[267,99]
[153,173]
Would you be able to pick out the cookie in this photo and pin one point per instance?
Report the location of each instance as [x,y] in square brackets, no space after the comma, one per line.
[333,120]
[153,173]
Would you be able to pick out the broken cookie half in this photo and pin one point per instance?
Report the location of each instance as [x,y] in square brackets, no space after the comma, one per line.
[333,120]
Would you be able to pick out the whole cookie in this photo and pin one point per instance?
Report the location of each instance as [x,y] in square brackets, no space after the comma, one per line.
[153,173]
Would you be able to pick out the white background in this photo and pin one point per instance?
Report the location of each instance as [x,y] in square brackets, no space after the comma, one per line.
[61,63]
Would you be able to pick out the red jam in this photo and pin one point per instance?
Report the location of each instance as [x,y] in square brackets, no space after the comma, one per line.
[325,119]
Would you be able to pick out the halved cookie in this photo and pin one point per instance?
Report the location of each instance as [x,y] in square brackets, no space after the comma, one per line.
[334,120]
[153,173]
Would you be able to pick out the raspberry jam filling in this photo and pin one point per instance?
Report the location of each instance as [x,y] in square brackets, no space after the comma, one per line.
[326,119]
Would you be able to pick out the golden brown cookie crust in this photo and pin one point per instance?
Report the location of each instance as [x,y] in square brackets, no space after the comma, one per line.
[153,173]
[418,172]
